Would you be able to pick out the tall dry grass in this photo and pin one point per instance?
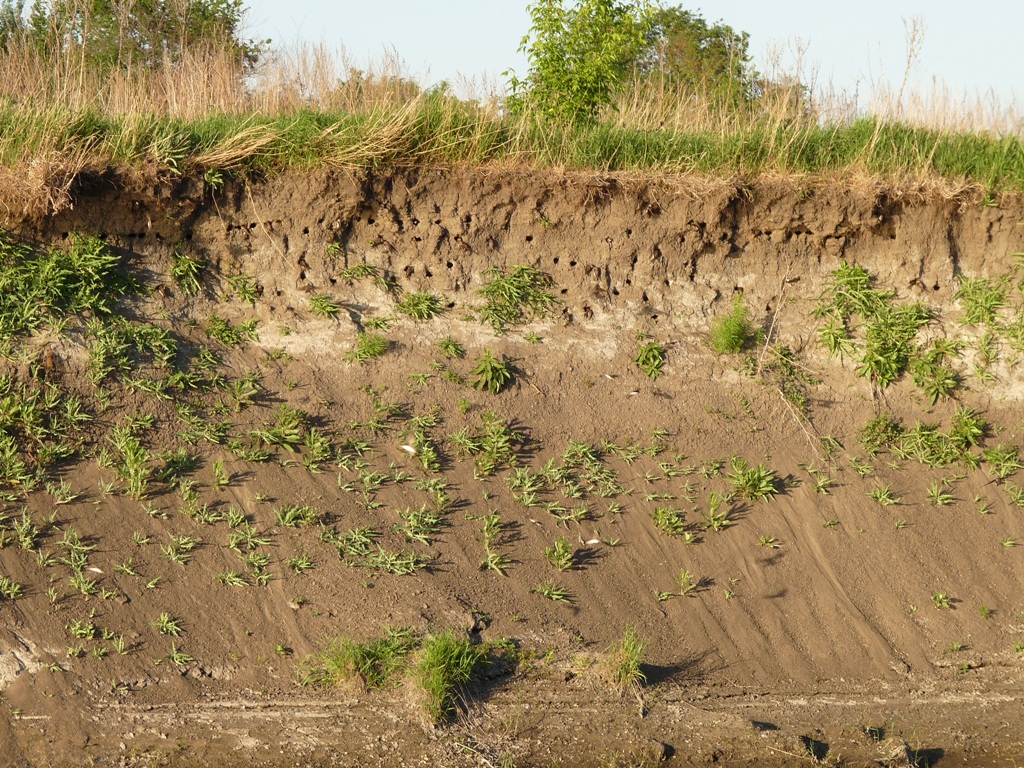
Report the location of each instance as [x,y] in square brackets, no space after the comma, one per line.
[312,107]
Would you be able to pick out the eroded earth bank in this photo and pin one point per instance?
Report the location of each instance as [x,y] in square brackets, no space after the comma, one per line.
[815,537]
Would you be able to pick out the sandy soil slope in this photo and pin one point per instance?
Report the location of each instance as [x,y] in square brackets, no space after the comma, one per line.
[823,625]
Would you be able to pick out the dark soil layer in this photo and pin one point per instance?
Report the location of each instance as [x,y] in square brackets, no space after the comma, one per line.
[823,626]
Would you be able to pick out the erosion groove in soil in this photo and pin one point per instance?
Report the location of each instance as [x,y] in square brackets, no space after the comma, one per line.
[829,626]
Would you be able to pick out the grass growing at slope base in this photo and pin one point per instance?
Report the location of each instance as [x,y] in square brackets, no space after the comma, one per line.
[375,663]
[449,662]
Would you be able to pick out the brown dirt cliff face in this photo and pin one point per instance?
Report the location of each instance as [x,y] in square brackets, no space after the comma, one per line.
[608,242]
[814,614]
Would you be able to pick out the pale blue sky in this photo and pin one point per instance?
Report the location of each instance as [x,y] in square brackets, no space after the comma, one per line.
[970,47]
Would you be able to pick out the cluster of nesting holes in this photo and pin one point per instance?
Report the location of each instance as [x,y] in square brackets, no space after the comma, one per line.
[410,271]
[918,281]
[232,227]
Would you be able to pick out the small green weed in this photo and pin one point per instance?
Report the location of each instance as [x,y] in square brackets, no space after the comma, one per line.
[515,296]
[187,270]
[883,495]
[553,592]
[979,299]
[420,306]
[752,483]
[938,497]
[560,554]
[368,346]
[324,306]
[451,348]
[669,520]
[730,333]
[650,359]
[167,625]
[492,373]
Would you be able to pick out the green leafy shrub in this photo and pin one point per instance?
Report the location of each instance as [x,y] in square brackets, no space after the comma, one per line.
[36,288]
[579,56]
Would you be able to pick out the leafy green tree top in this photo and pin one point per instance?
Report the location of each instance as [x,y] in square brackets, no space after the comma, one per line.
[141,33]
[579,55]
[710,58]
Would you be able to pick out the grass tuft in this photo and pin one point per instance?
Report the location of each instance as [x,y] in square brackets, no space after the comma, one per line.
[374,663]
[447,664]
[626,664]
